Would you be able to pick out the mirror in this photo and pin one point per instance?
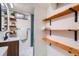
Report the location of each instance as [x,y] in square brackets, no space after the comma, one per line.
[8,19]
[4,18]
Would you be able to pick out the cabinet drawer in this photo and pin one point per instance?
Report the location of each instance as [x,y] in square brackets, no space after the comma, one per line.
[3,44]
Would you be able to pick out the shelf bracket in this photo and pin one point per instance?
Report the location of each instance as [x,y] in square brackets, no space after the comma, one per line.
[76,20]
[50,44]
[50,30]
[75,34]
[76,14]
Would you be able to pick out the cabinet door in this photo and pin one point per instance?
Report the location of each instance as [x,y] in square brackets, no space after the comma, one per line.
[13,49]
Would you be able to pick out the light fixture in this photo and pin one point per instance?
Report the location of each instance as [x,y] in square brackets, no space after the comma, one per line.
[11,5]
[2,4]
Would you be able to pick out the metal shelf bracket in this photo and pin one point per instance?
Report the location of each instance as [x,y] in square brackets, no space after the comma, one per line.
[76,14]
[50,30]
[76,20]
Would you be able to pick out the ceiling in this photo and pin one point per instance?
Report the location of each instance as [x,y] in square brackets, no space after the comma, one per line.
[29,7]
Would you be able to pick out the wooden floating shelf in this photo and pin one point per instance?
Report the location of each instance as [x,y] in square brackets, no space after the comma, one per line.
[12,26]
[5,26]
[62,46]
[62,13]
[12,17]
[61,29]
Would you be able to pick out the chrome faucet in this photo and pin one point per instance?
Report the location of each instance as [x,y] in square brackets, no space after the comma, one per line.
[6,36]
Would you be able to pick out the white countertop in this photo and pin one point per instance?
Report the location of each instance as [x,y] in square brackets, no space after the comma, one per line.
[9,39]
[3,50]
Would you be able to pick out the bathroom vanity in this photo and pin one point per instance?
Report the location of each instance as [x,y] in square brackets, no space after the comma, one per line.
[13,46]
[8,23]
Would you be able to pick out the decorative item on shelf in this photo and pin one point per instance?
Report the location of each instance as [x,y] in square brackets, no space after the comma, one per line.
[12,18]
[13,13]
[12,34]
[4,28]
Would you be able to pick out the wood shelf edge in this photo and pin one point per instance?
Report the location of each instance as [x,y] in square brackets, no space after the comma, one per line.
[62,46]
[61,30]
[13,17]
[60,14]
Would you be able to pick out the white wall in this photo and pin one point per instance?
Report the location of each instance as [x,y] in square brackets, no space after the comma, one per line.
[40,48]
[65,37]
[25,40]
[23,25]
[51,8]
